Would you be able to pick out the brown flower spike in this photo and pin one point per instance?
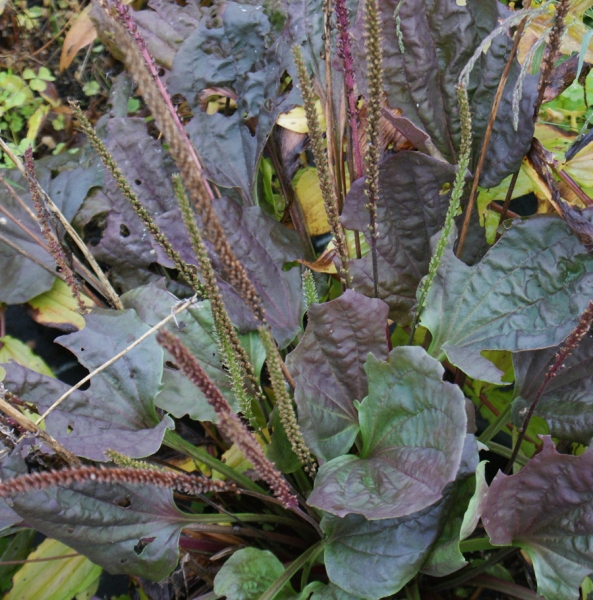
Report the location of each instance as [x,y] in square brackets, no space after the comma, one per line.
[228,423]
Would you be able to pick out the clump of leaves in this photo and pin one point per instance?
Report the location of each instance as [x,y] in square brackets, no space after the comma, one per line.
[25,103]
[307,423]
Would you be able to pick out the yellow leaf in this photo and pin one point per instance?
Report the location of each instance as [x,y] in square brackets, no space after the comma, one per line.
[58,308]
[60,579]
[571,42]
[35,121]
[306,186]
[235,459]
[295,119]
[13,349]
[80,35]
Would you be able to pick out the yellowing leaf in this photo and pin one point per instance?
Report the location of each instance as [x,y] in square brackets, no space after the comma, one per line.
[81,34]
[295,119]
[325,262]
[572,40]
[58,308]
[235,459]
[59,579]
[35,121]
[306,186]
[13,349]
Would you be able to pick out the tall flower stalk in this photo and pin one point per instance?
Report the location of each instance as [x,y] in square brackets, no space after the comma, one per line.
[189,484]
[345,53]
[231,351]
[186,271]
[228,422]
[454,203]
[63,261]
[142,68]
[374,55]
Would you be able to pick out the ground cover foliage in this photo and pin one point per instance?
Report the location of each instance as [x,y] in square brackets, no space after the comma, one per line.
[405,412]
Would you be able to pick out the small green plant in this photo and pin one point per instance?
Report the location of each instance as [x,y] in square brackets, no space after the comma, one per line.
[25,103]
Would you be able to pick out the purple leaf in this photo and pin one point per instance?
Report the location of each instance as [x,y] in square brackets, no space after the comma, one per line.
[567,402]
[263,246]
[426,44]
[260,243]
[22,279]
[412,209]
[124,528]
[117,411]
[179,396]
[413,428]
[245,55]
[328,369]
[226,56]
[546,509]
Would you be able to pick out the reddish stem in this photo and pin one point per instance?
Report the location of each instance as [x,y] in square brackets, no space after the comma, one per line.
[128,21]
[345,53]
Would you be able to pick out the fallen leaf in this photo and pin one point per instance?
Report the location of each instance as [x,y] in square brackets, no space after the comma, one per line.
[80,35]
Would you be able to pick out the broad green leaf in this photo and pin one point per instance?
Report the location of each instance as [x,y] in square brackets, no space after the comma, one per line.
[248,573]
[446,557]
[413,428]
[526,293]
[374,559]
[117,411]
[195,329]
[12,349]
[58,579]
[567,402]
[13,548]
[318,591]
[58,308]
[415,192]
[328,369]
[546,509]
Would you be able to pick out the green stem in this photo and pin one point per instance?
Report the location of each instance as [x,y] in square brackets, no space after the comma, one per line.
[176,442]
[412,591]
[309,564]
[496,425]
[293,568]
[246,518]
[506,587]
[302,481]
[476,545]
[470,573]
[521,459]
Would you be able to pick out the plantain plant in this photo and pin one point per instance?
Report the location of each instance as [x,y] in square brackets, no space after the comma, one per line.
[273,418]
